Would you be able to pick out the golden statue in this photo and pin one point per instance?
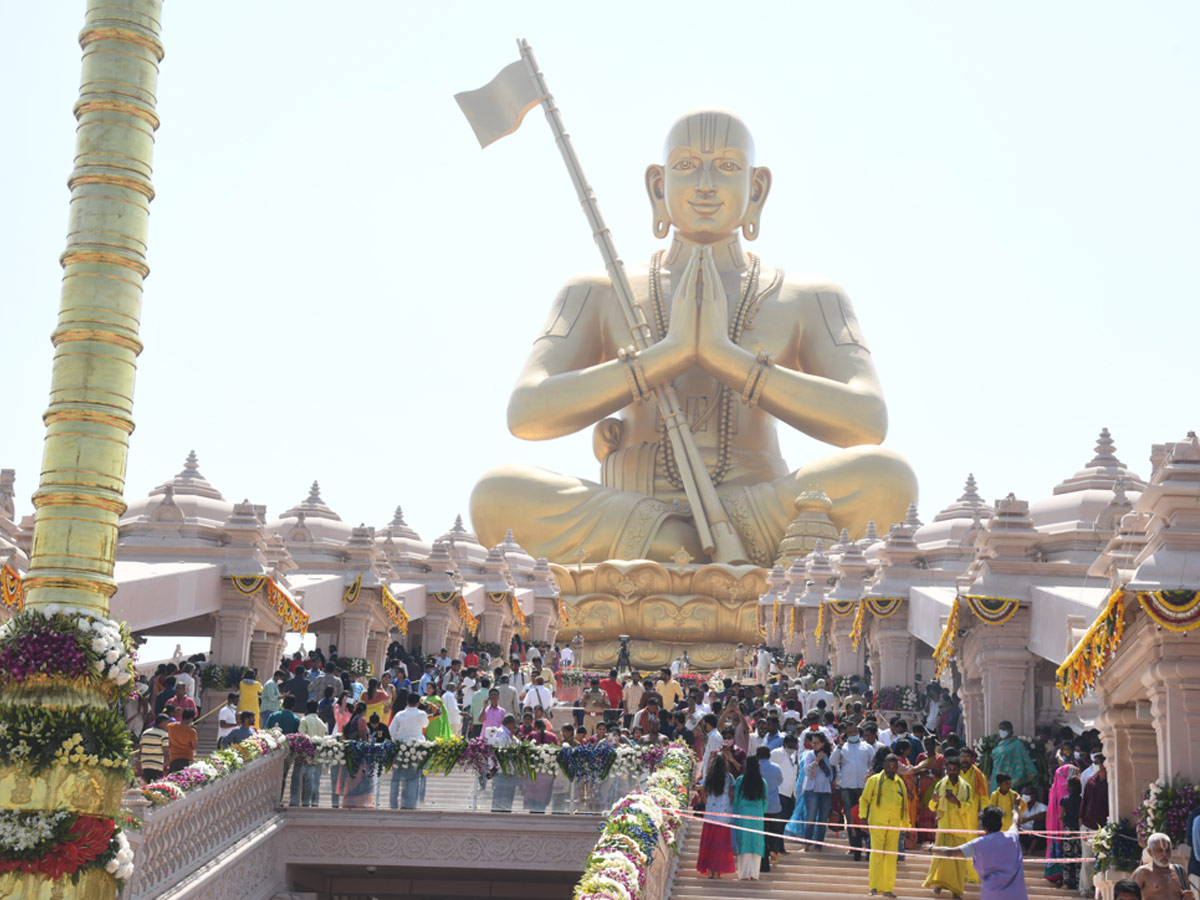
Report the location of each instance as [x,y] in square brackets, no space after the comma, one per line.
[744,346]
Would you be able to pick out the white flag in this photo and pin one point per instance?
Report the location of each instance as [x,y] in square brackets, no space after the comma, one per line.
[497,108]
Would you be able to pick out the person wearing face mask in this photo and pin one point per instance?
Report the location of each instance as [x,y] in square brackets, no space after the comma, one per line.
[884,805]
[1033,819]
[852,759]
[1012,756]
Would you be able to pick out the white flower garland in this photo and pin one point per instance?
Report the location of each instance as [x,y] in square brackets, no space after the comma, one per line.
[410,754]
[21,830]
[121,866]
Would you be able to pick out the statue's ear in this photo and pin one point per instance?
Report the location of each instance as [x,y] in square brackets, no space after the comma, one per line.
[760,186]
[655,187]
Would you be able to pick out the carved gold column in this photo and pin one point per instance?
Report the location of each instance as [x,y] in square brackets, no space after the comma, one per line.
[88,423]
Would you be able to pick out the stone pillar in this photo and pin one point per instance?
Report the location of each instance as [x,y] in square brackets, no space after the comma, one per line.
[265,652]
[352,635]
[233,631]
[436,629]
[972,705]
[1007,674]
[1173,685]
[1132,755]
[846,660]
[377,644]
[894,663]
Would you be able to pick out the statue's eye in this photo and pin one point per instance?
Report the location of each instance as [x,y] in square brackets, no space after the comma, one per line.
[684,165]
[728,165]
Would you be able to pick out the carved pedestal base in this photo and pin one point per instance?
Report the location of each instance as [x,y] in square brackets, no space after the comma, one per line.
[706,610]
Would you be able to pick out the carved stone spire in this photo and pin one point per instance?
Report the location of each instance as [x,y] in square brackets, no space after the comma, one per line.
[1102,472]
[811,525]
[189,482]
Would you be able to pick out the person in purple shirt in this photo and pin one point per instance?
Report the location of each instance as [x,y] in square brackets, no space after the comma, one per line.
[997,858]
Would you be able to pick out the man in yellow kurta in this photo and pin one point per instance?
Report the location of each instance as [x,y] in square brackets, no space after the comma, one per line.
[884,802]
[1009,802]
[954,803]
[973,775]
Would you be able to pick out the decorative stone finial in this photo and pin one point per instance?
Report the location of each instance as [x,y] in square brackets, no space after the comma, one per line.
[872,536]
[970,490]
[314,493]
[398,518]
[192,463]
[508,537]
[911,519]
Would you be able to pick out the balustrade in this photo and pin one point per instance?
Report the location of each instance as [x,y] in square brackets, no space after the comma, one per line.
[179,838]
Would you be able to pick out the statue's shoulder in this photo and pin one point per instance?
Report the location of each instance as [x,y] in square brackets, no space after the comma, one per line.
[809,290]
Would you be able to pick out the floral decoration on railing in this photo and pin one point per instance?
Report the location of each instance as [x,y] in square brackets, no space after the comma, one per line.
[12,591]
[901,698]
[61,843]
[356,666]
[288,610]
[1165,807]
[47,645]
[633,829]
[992,610]
[944,651]
[1095,650]
[843,685]
[393,609]
[1177,611]
[216,765]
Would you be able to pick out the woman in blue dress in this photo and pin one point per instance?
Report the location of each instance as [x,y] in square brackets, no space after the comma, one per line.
[749,805]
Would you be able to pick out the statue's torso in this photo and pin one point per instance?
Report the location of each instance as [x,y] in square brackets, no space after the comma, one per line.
[773,323]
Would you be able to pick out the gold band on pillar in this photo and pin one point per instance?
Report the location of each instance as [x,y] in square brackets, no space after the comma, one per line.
[96,342]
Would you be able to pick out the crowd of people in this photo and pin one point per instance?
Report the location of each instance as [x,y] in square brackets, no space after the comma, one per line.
[781,759]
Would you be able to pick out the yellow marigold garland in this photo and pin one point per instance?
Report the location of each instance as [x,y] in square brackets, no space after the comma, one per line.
[350,594]
[1177,611]
[856,630]
[469,621]
[882,607]
[993,610]
[1095,650]
[944,651]
[288,610]
[396,613]
[12,591]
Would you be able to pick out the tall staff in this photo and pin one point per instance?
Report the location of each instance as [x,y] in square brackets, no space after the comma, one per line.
[496,110]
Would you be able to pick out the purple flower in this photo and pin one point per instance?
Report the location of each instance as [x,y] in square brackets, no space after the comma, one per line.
[43,651]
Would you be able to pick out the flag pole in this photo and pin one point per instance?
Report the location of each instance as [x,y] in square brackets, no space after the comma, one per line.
[717,535]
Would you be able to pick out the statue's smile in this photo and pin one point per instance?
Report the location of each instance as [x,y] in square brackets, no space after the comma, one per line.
[705,207]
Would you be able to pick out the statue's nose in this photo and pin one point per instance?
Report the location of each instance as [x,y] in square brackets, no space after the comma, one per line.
[706,180]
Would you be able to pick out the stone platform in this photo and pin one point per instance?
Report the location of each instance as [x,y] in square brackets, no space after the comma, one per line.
[665,609]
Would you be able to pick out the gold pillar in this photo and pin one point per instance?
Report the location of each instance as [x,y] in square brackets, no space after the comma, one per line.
[96,342]
[89,419]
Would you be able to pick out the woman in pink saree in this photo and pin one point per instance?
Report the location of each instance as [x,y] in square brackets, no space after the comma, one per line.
[1058,845]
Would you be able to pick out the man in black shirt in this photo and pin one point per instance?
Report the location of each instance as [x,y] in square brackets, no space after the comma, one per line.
[297,686]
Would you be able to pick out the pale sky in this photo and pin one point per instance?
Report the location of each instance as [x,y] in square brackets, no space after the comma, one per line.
[343,285]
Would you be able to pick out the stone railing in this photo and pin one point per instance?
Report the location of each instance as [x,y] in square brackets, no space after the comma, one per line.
[181,837]
[660,879]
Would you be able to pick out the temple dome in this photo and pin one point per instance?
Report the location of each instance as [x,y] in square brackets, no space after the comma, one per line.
[1094,498]
[399,540]
[311,521]
[950,526]
[187,497]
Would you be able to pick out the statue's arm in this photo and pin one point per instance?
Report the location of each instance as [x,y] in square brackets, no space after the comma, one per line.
[572,377]
[823,381]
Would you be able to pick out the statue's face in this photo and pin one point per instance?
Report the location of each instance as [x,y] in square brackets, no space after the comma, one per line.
[707,191]
[708,182]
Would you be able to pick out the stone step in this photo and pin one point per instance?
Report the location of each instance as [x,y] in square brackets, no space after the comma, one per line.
[800,876]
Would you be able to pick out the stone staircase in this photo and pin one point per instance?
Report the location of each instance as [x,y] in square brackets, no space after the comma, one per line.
[819,876]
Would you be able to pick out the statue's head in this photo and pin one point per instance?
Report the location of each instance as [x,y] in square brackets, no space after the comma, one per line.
[709,186]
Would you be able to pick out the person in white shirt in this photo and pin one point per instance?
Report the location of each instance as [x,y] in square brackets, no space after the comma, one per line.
[762,665]
[810,702]
[443,659]
[227,719]
[504,786]
[453,713]
[712,742]
[306,777]
[853,760]
[566,658]
[538,695]
[407,725]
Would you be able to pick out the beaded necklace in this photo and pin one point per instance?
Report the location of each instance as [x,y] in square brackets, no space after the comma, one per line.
[725,404]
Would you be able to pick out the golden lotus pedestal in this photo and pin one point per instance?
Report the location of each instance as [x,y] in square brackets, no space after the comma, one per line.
[706,610]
